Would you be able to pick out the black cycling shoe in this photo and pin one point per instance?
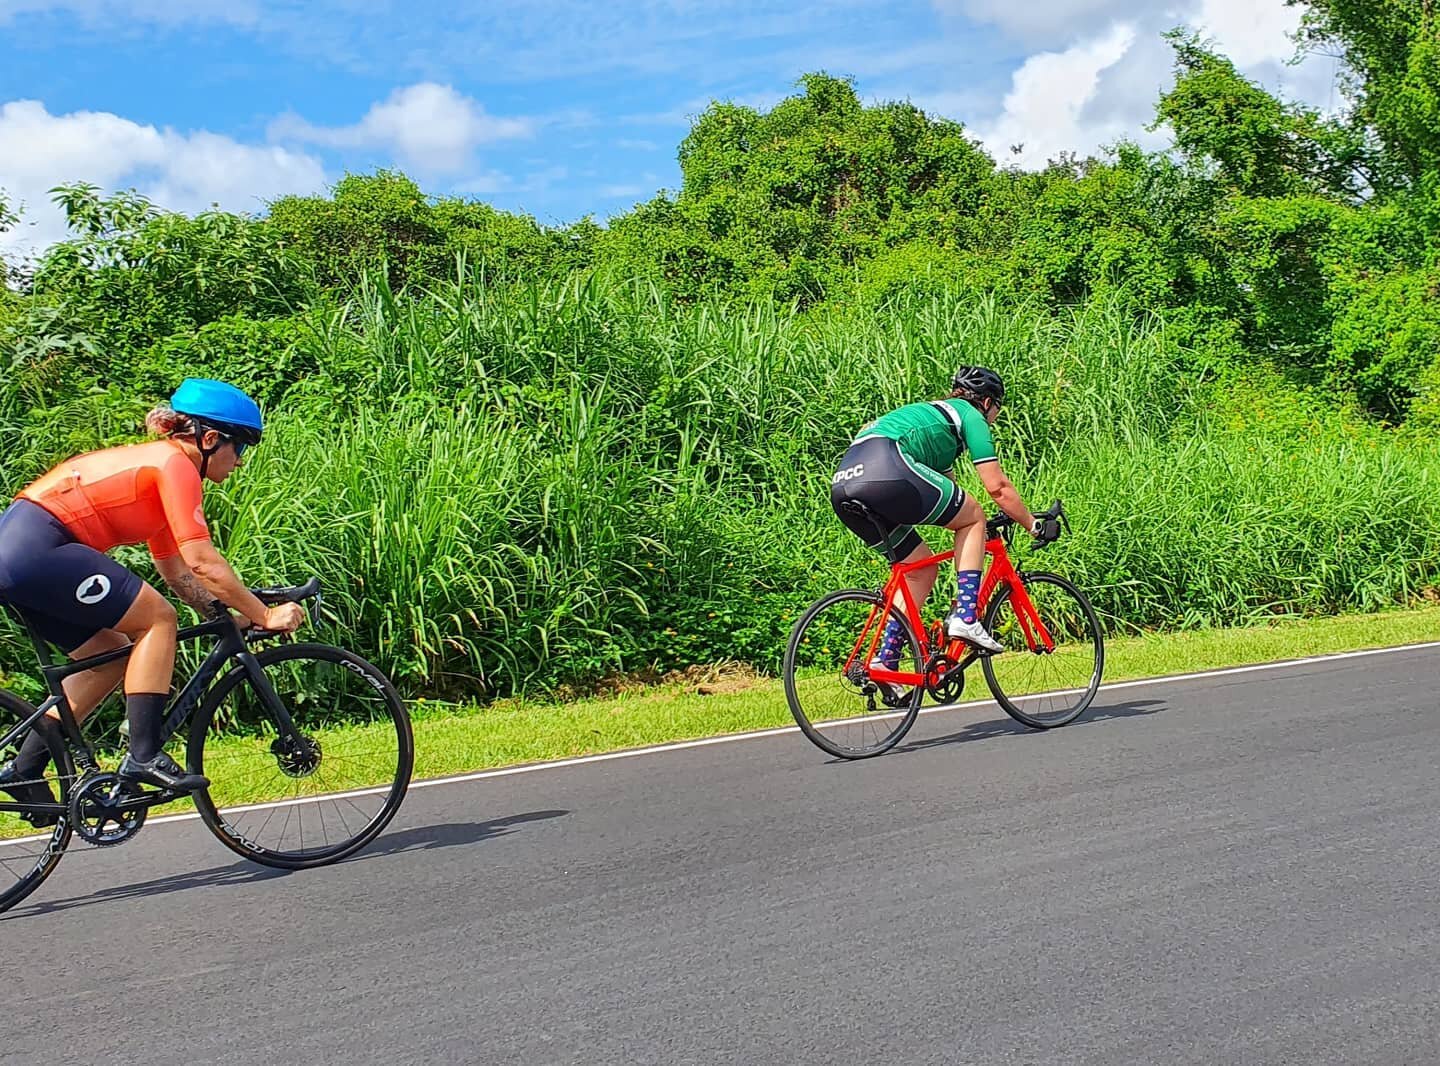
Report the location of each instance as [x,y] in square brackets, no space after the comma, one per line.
[162,772]
[25,790]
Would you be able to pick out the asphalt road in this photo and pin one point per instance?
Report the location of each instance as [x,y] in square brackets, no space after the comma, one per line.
[1235,869]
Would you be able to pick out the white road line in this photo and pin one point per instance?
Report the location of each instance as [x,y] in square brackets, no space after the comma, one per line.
[730,738]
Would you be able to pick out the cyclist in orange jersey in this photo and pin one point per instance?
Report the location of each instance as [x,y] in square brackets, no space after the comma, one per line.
[54,571]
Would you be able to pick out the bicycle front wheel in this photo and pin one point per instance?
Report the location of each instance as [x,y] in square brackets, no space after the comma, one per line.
[28,854]
[1039,685]
[313,792]
[827,682]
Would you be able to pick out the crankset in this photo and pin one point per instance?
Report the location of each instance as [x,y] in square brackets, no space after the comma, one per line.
[944,679]
[107,811]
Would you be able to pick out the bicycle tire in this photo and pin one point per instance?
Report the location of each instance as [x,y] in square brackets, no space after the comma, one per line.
[30,857]
[324,689]
[824,731]
[1078,618]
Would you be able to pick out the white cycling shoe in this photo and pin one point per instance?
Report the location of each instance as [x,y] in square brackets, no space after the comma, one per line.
[972,633]
[895,695]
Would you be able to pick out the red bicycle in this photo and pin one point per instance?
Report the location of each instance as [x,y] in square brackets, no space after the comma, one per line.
[852,706]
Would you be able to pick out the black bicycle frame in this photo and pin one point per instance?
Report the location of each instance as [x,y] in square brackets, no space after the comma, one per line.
[230,645]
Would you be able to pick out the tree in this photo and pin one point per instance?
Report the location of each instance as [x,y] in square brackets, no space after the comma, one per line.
[1259,145]
[1392,50]
[795,196]
[131,274]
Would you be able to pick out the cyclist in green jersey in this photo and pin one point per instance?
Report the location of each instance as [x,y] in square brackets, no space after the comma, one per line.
[900,467]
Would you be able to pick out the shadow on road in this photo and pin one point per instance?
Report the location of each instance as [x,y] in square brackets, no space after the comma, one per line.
[421,838]
[1005,726]
[430,837]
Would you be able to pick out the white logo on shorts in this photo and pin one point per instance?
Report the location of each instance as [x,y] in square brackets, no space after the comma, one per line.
[858,470]
[93,589]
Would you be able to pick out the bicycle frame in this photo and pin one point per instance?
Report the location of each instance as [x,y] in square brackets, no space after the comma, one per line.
[230,645]
[1001,571]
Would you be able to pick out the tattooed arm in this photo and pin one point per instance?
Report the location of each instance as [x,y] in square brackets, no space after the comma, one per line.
[185,584]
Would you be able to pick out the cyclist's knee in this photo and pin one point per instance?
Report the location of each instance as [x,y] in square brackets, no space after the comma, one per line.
[970,513]
[150,611]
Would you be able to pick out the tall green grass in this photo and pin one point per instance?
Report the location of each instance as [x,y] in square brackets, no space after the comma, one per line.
[507,489]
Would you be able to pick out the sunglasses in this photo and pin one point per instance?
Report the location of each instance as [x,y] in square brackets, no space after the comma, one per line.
[239,446]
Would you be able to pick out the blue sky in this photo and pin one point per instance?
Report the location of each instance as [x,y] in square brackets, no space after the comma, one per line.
[558,108]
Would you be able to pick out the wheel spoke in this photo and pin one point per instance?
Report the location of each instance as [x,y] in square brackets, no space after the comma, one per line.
[345,732]
[830,693]
[1044,689]
[29,853]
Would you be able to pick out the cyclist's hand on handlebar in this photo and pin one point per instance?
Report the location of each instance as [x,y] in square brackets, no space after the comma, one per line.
[1046,531]
[284,617]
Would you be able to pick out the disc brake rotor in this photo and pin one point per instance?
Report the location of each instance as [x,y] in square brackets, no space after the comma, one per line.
[296,756]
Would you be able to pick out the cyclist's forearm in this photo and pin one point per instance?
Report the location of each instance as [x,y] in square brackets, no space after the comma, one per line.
[1009,501]
[183,583]
[223,584]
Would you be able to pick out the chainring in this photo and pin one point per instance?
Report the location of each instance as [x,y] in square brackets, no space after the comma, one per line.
[943,681]
[96,817]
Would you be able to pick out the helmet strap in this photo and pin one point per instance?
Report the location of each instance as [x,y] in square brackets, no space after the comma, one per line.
[205,453]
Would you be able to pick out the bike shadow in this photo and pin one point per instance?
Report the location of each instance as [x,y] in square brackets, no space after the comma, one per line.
[433,837]
[1005,726]
[420,838]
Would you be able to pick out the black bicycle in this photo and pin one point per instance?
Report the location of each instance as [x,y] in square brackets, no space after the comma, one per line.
[314,725]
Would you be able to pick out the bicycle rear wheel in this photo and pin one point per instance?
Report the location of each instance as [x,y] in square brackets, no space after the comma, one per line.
[1039,687]
[28,854]
[827,681]
[310,796]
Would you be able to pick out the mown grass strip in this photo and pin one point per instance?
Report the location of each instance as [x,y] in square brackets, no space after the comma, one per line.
[455,740]
[517,731]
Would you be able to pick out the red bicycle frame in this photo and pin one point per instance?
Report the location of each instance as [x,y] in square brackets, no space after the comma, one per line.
[1037,636]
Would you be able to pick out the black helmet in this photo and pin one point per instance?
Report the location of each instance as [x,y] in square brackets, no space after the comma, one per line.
[980,382]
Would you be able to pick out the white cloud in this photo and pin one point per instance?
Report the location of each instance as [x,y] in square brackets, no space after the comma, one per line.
[1250,32]
[1046,23]
[1042,111]
[429,127]
[178,171]
[626,192]
[1104,83]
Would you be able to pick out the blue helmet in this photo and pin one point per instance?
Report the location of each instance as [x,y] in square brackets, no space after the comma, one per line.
[219,406]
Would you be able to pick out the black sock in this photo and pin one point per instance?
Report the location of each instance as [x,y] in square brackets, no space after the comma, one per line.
[35,748]
[145,711]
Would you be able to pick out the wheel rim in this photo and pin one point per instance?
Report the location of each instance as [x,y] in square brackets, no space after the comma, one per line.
[27,853]
[283,798]
[839,709]
[1046,688]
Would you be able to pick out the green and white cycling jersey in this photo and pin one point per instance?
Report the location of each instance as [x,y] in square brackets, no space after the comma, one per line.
[935,433]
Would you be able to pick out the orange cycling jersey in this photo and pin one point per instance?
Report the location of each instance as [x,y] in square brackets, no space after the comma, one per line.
[139,493]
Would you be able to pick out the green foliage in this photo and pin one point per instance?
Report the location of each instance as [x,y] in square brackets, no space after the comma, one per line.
[1258,145]
[792,198]
[1387,338]
[511,488]
[525,456]
[131,274]
[383,220]
[1392,49]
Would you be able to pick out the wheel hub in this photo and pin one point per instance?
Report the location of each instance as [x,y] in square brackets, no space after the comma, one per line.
[297,756]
